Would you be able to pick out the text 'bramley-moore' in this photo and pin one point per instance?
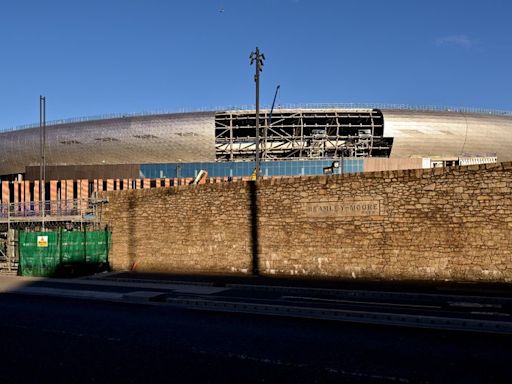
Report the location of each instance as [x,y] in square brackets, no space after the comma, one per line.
[343,208]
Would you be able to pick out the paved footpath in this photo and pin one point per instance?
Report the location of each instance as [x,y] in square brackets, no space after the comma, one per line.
[488,311]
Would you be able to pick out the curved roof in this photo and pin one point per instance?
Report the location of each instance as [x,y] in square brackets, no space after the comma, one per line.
[190,137]
[448,134]
[184,137]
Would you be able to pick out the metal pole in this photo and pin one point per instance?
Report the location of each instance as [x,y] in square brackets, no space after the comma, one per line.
[342,159]
[267,126]
[40,146]
[257,57]
[42,122]
[257,79]
[9,240]
[272,108]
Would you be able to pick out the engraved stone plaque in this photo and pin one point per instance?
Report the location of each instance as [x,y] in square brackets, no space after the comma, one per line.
[343,208]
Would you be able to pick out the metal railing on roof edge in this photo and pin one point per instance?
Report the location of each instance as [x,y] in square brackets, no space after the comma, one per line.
[403,107]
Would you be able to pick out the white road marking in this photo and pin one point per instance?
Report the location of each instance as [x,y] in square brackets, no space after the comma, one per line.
[489,313]
[361,302]
[59,332]
[466,304]
[337,371]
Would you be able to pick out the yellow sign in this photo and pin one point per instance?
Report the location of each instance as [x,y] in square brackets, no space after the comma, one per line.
[42,241]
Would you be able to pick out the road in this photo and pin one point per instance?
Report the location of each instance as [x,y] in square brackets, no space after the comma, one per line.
[47,337]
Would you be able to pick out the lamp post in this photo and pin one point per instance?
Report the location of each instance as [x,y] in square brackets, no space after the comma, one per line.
[42,167]
[257,58]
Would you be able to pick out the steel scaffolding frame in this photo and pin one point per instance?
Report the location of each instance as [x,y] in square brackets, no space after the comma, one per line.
[69,214]
[302,134]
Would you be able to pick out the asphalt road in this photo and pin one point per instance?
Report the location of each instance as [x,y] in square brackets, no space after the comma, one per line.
[60,340]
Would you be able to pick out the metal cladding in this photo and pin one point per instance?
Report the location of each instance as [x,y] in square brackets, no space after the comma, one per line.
[291,133]
[184,137]
[449,134]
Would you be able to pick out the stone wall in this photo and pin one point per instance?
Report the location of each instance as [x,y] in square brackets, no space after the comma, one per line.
[427,224]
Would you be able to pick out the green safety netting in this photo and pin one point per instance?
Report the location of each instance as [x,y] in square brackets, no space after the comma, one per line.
[97,246]
[48,253]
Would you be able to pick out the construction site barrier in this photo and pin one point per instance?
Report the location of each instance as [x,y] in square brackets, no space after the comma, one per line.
[60,253]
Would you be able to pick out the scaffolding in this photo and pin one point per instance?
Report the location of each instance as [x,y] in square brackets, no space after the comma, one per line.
[75,214]
[301,134]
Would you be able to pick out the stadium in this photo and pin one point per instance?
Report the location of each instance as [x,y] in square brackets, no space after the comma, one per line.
[310,133]
[88,155]
[153,149]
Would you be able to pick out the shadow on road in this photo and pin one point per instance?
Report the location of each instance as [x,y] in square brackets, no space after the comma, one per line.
[436,287]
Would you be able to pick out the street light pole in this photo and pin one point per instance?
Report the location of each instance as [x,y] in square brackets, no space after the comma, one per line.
[258,58]
[42,168]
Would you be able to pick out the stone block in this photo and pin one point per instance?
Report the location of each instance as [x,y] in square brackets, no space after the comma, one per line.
[421,221]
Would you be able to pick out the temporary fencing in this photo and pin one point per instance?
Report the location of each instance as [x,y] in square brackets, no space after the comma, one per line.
[50,254]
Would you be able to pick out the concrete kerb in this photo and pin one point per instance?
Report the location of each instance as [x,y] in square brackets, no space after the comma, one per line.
[18,285]
[362,317]
[13,284]
[347,293]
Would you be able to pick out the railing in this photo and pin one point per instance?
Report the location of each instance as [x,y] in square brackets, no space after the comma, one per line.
[403,107]
[406,107]
[52,209]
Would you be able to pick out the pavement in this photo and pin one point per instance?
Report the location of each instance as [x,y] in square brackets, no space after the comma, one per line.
[470,308]
[468,287]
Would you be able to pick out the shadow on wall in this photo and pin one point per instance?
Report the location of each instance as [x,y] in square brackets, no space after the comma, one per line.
[131,232]
[253,197]
[132,259]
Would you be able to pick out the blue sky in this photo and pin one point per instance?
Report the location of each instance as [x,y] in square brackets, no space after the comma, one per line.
[120,56]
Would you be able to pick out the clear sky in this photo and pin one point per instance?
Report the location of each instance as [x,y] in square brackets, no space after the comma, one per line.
[93,57]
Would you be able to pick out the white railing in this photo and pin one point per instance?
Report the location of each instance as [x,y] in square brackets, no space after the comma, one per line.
[406,107]
[59,208]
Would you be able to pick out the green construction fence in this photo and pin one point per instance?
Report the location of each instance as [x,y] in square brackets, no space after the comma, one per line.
[49,254]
